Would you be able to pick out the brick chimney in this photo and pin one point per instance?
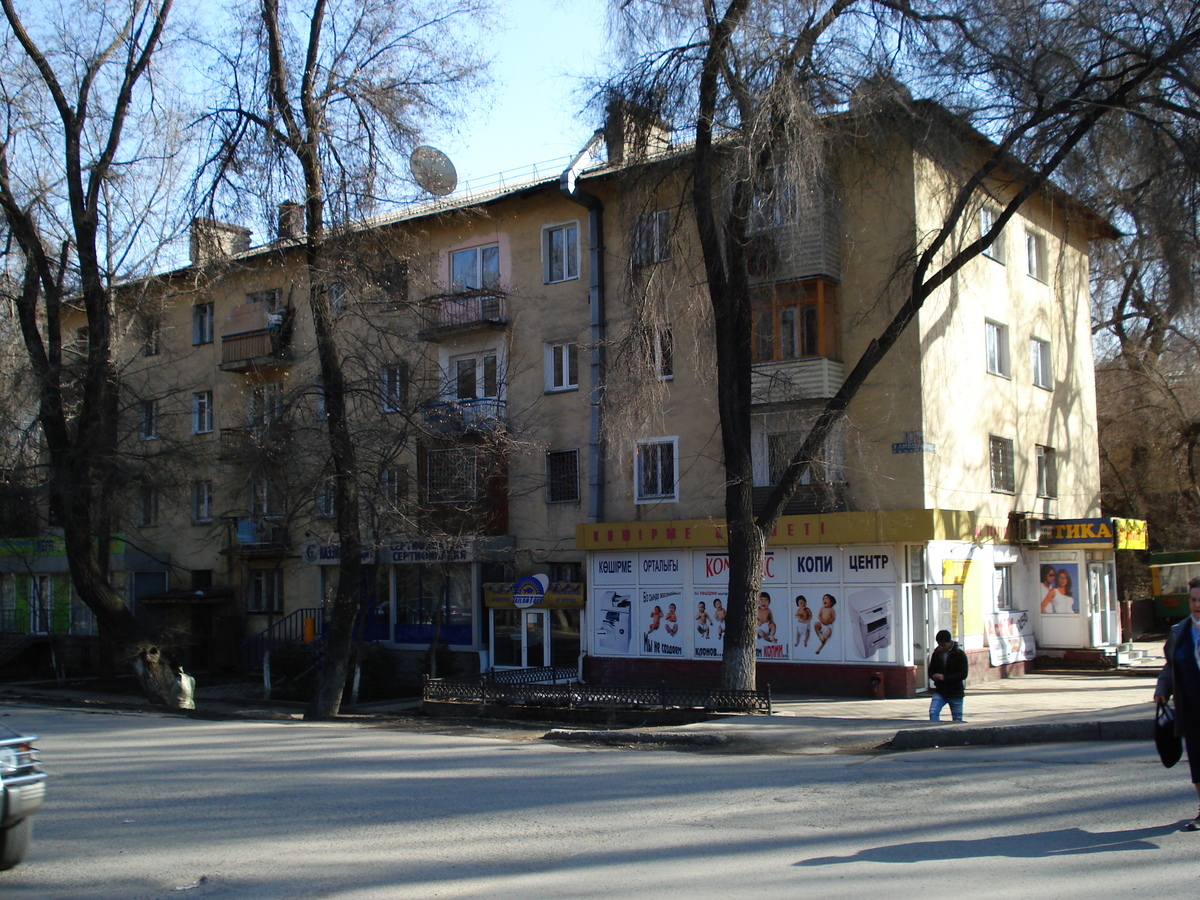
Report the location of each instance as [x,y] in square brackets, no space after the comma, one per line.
[210,240]
[291,221]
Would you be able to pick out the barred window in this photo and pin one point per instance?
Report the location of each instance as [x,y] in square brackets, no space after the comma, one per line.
[562,476]
[1001,463]
[450,475]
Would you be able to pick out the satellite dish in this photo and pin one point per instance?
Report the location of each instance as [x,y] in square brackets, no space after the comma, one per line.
[433,170]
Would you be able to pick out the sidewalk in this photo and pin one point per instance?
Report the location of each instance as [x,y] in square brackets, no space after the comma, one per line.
[1040,708]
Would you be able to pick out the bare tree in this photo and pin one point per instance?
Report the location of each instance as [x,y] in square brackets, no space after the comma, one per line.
[759,82]
[85,144]
[327,111]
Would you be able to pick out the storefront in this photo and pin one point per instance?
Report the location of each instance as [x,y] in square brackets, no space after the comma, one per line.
[533,622]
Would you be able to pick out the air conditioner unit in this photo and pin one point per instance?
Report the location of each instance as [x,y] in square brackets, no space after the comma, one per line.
[1029,530]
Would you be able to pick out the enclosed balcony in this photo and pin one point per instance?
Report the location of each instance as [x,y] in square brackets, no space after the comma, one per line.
[256,337]
[463,312]
[796,352]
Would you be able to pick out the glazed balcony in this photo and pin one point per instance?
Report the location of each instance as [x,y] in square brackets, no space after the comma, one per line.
[464,312]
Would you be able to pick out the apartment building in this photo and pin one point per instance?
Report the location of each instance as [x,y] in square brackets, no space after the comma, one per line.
[531,382]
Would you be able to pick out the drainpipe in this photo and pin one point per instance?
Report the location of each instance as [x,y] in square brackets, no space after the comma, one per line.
[568,185]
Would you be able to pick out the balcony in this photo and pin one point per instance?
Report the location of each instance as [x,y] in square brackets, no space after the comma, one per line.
[259,535]
[254,442]
[813,378]
[255,337]
[460,313]
[487,414]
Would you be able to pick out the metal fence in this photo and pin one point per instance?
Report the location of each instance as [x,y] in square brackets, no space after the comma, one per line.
[486,691]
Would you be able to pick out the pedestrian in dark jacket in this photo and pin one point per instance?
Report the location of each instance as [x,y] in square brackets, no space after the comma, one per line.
[1180,679]
[948,672]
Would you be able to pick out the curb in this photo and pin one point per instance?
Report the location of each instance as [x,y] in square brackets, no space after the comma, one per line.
[1038,733]
[669,738]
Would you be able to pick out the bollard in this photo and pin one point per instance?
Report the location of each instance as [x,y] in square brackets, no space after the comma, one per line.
[310,629]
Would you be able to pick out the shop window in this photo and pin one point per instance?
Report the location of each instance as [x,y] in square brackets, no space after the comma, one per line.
[1003,582]
[795,321]
[422,591]
[655,471]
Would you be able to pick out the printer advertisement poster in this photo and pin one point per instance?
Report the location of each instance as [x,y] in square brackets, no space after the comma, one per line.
[870,612]
[615,580]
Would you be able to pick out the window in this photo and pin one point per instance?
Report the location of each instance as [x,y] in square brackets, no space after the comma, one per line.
[151,335]
[1047,472]
[148,430]
[561,254]
[476,377]
[391,388]
[202,324]
[336,294]
[987,219]
[1000,452]
[264,404]
[562,366]
[562,476]
[147,506]
[1003,583]
[1039,359]
[651,239]
[664,354]
[202,496]
[654,470]
[794,321]
[1035,255]
[327,499]
[393,284]
[264,593]
[826,467]
[260,497]
[202,412]
[451,475]
[269,299]
[996,336]
[475,269]
[773,205]
[393,487]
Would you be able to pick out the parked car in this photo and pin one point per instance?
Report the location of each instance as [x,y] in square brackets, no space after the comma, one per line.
[22,788]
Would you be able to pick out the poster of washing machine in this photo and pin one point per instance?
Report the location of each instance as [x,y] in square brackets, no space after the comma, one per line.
[869,623]
[817,617]
[772,630]
[660,623]
[707,623]
[869,565]
[614,622]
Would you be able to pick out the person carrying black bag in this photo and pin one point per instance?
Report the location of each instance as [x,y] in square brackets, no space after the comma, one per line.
[1180,679]
[948,671]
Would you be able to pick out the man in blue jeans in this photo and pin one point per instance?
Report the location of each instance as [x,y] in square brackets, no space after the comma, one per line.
[948,672]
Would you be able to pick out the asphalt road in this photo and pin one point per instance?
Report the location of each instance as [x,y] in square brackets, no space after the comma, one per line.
[145,805]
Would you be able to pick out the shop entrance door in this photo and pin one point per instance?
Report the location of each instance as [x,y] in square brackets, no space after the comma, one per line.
[943,609]
[1103,614]
[519,638]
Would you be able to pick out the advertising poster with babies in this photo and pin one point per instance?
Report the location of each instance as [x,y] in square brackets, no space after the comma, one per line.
[662,615]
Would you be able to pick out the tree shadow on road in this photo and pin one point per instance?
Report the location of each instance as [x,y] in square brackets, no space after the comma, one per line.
[1036,845]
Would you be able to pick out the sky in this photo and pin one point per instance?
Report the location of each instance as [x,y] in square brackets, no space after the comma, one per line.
[533,112]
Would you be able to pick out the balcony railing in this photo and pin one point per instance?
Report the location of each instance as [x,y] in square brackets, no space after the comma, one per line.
[814,378]
[463,312]
[253,441]
[260,533]
[259,347]
[459,416]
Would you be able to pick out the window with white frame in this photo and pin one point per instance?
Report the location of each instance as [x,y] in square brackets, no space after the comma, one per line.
[996,348]
[264,592]
[562,366]
[393,486]
[1001,464]
[264,404]
[1047,471]
[1003,584]
[561,252]
[987,220]
[655,472]
[1036,264]
[202,412]
[476,376]
[202,324]
[202,501]
[562,476]
[451,475]
[1039,361]
[651,238]
[475,269]
[391,388]
[148,428]
[147,506]
[260,497]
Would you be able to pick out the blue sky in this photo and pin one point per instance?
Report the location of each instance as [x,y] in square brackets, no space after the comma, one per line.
[533,110]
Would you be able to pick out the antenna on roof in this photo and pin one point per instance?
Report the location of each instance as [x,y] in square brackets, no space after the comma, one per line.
[433,170]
